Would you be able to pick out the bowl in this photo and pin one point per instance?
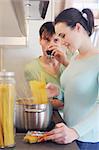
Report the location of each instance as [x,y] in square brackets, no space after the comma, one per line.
[30,116]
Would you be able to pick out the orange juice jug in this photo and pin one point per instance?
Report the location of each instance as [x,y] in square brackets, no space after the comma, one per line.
[7,96]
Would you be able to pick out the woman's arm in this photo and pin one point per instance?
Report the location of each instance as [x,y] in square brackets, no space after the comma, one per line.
[52,90]
[62,134]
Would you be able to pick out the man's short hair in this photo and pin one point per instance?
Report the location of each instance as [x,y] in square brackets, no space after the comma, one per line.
[47,29]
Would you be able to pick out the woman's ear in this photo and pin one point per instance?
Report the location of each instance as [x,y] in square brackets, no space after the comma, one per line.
[78,27]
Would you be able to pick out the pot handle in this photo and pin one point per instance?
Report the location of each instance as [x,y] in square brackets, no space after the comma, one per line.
[34,110]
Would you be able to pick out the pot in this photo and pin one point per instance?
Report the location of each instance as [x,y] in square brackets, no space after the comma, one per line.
[32,116]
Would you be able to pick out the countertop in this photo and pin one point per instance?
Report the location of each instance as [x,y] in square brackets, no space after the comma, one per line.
[21,145]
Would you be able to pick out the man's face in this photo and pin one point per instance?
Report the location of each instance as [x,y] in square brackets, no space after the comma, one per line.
[47,40]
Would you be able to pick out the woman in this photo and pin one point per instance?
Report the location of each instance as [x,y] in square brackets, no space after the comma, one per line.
[79,81]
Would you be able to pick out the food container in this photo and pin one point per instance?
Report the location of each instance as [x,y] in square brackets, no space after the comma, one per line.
[32,116]
[7,96]
[35,136]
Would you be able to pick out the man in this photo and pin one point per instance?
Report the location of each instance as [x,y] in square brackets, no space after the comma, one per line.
[47,65]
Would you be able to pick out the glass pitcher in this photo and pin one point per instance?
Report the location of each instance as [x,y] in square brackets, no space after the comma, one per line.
[7,96]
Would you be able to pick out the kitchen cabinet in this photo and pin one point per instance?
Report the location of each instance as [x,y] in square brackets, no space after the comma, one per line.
[12,24]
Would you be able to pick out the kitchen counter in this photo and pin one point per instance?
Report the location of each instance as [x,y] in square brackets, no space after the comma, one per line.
[21,145]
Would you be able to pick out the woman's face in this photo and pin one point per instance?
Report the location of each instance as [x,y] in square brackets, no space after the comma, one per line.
[70,37]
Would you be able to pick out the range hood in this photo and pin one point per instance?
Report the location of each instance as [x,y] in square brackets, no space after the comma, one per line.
[12,22]
[12,19]
[36,9]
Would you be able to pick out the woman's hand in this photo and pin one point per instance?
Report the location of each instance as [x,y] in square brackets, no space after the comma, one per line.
[52,90]
[56,103]
[59,55]
[62,134]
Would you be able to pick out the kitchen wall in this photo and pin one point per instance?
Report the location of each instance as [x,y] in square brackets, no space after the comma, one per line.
[16,59]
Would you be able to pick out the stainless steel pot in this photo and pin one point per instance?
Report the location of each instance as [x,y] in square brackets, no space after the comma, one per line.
[32,116]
